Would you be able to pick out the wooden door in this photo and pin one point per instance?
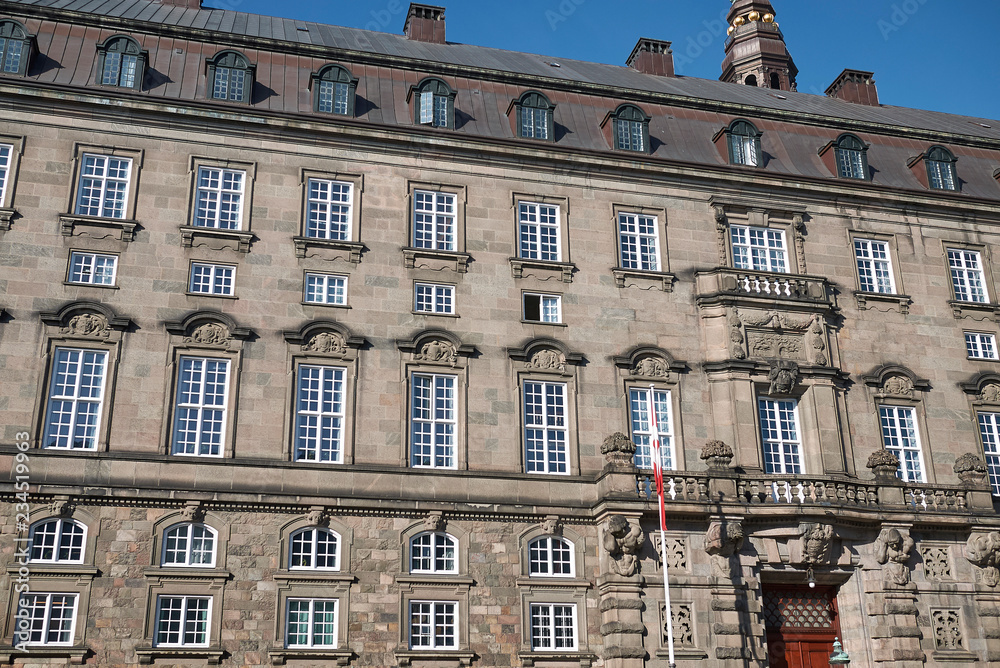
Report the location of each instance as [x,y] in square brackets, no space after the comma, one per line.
[801,625]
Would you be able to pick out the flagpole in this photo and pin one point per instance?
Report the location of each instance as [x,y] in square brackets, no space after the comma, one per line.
[666,597]
[660,493]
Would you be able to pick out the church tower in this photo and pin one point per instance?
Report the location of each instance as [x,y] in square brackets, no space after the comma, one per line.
[756,54]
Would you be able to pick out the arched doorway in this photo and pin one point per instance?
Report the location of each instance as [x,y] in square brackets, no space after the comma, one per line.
[801,625]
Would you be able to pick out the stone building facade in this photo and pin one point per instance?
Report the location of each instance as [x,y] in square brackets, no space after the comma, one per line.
[330,347]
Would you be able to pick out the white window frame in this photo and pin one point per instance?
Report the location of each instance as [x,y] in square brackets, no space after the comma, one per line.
[433,109]
[313,554]
[85,267]
[549,308]
[228,81]
[629,135]
[332,287]
[211,194]
[334,97]
[542,618]
[744,149]
[441,298]
[535,122]
[968,278]
[320,416]
[551,425]
[639,241]
[941,175]
[184,531]
[851,163]
[981,346]
[905,446]
[6,162]
[77,399]
[435,553]
[46,617]
[311,622]
[110,198]
[185,622]
[77,539]
[539,236]
[642,434]
[330,209]
[781,435]
[873,258]
[201,447]
[437,451]
[542,562]
[436,610]
[759,248]
[435,220]
[219,284]
[989,432]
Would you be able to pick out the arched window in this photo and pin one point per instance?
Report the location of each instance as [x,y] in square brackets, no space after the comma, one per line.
[434,104]
[550,556]
[433,552]
[744,144]
[941,169]
[57,541]
[189,544]
[535,116]
[852,157]
[751,80]
[775,81]
[15,47]
[314,548]
[631,129]
[334,90]
[230,77]
[121,62]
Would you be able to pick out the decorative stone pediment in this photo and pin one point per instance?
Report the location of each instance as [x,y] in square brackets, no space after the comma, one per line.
[325,338]
[546,356]
[895,382]
[209,329]
[649,363]
[437,347]
[984,387]
[86,320]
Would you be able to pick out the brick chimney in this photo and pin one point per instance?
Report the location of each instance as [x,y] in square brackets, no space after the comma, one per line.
[855,86]
[652,56]
[425,23]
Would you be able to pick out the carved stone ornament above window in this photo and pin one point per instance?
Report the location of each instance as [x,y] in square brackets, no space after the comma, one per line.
[209,329]
[86,320]
[650,363]
[546,356]
[325,338]
[437,347]
[895,382]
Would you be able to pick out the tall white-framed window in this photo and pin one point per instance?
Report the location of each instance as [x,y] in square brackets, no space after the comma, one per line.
[874,266]
[433,625]
[328,289]
[319,414]
[189,544]
[642,428]
[311,623]
[104,184]
[219,198]
[212,279]
[639,241]
[183,621]
[435,298]
[542,308]
[50,618]
[759,248]
[981,346]
[434,220]
[329,209]
[434,552]
[967,275]
[314,549]
[989,430]
[779,428]
[553,627]
[6,153]
[57,541]
[433,420]
[91,268]
[76,398]
[550,556]
[545,429]
[900,436]
[200,412]
[538,232]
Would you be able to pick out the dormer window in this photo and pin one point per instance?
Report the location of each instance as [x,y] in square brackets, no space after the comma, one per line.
[230,77]
[535,116]
[15,48]
[630,128]
[122,63]
[744,144]
[433,104]
[333,90]
[941,169]
[852,158]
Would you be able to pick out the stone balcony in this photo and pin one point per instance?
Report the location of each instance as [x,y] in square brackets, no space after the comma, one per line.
[727,286]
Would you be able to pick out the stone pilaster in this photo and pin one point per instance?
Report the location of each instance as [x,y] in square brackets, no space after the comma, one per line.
[622,627]
[988,614]
[895,631]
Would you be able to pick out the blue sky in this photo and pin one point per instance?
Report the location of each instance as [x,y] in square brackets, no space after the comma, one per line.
[927,54]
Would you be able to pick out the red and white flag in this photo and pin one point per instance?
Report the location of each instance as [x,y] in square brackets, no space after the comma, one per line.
[654,426]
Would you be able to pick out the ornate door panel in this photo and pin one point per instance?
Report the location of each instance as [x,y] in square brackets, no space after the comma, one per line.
[801,625]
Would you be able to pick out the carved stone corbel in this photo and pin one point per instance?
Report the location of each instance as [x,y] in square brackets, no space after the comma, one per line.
[623,540]
[983,550]
[892,550]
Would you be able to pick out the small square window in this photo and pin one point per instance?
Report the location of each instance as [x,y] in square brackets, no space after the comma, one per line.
[104,184]
[92,268]
[981,346]
[433,625]
[630,136]
[328,289]
[50,618]
[759,249]
[311,623]
[434,298]
[219,198]
[553,627]
[535,123]
[182,621]
[542,308]
[212,279]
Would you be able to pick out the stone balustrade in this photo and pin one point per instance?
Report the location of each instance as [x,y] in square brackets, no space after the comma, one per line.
[763,285]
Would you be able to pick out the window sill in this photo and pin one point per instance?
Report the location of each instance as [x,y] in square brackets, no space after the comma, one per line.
[336,657]
[975,310]
[147,655]
[6,216]
[81,572]
[644,280]
[983,359]
[325,305]
[91,285]
[216,576]
[328,249]
[97,227]
[314,576]
[435,315]
[435,259]
[209,294]
[539,322]
[456,657]
[76,654]
[530,659]
[893,302]
[457,581]
[237,240]
[522,268]
[552,583]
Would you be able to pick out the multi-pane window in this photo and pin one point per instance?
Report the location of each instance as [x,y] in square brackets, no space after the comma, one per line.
[212,279]
[779,428]
[314,549]
[189,545]
[230,77]
[92,268]
[433,625]
[433,419]
[550,556]
[201,408]
[874,266]
[538,232]
[326,289]
[122,63]
[319,414]
[434,109]
[852,162]
[311,623]
[434,298]
[941,169]
[104,183]
[434,220]
[330,204]
[57,541]
[631,129]
[899,436]
[76,395]
[6,153]
[535,123]
[334,90]
[219,198]
[967,275]
[47,619]
[182,621]
[759,248]
[542,308]
[14,48]
[553,627]
[744,144]
[545,428]
[433,553]
[642,427]
[981,346]
[989,429]
[639,242]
